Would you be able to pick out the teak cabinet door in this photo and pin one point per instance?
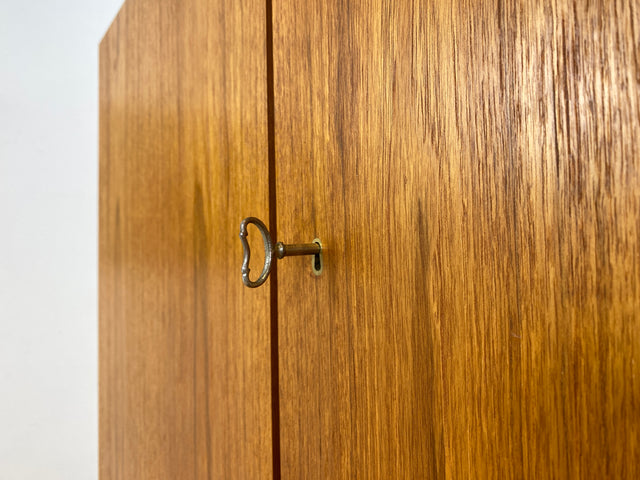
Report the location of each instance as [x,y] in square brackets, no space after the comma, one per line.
[185,381]
[472,169]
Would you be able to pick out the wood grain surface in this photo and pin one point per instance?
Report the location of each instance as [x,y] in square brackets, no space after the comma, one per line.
[472,169]
[185,381]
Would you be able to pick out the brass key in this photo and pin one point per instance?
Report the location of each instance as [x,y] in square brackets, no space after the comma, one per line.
[281,250]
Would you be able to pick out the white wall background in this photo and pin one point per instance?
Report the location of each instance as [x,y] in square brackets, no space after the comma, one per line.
[48,236]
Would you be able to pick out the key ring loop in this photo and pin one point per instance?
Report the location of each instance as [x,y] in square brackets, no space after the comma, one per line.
[268,252]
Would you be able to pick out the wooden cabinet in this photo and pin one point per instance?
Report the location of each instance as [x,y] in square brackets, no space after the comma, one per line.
[473,172]
[185,377]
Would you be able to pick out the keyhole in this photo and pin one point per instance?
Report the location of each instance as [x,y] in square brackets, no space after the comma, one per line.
[316,260]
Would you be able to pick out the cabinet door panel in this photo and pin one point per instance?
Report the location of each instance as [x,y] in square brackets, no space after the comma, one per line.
[184,348]
[472,169]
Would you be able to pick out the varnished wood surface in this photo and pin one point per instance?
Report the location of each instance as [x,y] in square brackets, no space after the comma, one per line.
[185,375]
[472,169]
